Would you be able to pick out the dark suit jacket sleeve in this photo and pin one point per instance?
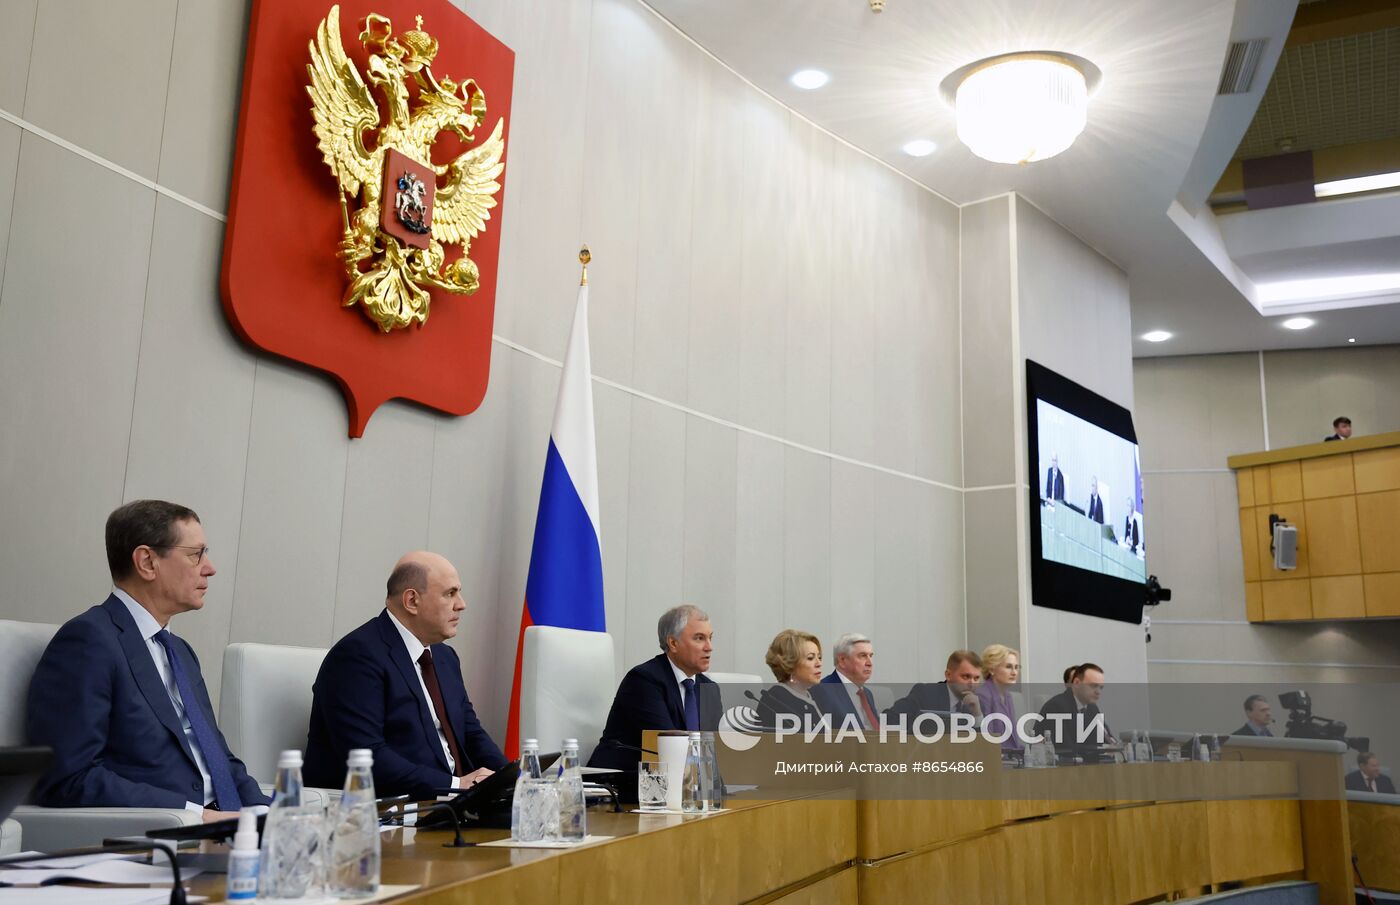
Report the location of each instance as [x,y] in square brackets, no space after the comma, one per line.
[248,791]
[70,708]
[643,700]
[477,743]
[351,691]
[1354,782]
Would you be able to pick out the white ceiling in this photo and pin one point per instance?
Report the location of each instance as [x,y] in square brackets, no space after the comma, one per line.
[1157,134]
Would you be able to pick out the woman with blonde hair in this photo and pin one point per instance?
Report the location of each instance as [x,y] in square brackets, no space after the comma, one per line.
[1001,670]
[796,660]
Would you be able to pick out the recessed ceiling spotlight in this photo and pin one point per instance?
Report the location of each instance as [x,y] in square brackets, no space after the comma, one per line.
[1157,336]
[809,79]
[920,147]
[1298,323]
[1351,339]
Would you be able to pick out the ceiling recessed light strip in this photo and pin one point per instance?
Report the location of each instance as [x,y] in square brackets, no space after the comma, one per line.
[1157,336]
[1328,288]
[809,79]
[1376,183]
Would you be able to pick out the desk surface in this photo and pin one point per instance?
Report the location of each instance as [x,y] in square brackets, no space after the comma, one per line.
[1314,450]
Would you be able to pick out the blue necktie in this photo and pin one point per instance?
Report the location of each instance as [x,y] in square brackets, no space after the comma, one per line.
[692,706]
[225,792]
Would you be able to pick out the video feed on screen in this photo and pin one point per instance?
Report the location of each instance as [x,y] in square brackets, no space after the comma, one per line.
[1090,496]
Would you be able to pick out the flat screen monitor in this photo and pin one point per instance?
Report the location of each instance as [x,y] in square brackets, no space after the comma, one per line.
[1088,538]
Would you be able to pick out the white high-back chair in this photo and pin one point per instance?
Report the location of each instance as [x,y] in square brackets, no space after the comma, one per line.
[265,702]
[567,683]
[50,829]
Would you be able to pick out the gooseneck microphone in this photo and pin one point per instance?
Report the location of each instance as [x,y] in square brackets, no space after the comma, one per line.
[177,892]
[441,807]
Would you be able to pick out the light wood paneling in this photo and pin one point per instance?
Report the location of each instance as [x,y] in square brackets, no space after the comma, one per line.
[1383,594]
[1244,487]
[890,827]
[837,889]
[1314,450]
[1253,839]
[1339,597]
[1249,544]
[1295,515]
[1375,840]
[1262,494]
[1377,469]
[1330,476]
[1285,482]
[1284,600]
[1335,547]
[800,839]
[1254,601]
[1378,518]
[1140,875]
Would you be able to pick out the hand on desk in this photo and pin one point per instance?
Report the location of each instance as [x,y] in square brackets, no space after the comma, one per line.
[213,816]
[474,777]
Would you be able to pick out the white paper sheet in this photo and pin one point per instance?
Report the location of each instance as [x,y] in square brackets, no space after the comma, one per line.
[511,843]
[85,895]
[75,860]
[126,873]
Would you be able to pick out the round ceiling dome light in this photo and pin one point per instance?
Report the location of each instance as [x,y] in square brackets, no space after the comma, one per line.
[1022,107]
[1298,323]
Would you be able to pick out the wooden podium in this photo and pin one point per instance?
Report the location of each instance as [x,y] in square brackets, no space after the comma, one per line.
[1344,499]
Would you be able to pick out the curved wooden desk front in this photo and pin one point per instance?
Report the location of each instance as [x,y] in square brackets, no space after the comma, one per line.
[1032,849]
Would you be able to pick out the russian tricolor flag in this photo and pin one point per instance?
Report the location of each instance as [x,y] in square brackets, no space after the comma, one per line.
[565,584]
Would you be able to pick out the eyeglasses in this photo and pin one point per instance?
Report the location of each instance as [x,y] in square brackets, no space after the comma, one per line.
[196,555]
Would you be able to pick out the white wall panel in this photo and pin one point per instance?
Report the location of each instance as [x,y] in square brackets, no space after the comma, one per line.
[853,349]
[709,579]
[655,520]
[293,498]
[388,487]
[68,357]
[201,104]
[808,347]
[98,76]
[9,164]
[760,564]
[807,545]
[15,42]
[897,555]
[194,398]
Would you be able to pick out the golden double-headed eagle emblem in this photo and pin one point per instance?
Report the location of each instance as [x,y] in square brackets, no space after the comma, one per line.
[409,209]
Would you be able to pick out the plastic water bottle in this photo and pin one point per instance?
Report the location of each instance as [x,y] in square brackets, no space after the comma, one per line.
[1199,752]
[694,780]
[715,796]
[355,844]
[573,816]
[1144,747]
[1130,747]
[529,769]
[286,793]
[243,860]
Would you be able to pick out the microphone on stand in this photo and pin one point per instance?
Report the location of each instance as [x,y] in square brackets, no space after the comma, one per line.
[457,840]
[177,892]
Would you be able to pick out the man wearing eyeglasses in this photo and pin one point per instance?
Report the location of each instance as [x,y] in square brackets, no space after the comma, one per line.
[120,699]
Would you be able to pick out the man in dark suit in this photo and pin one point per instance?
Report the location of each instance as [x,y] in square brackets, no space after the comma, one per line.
[1367,777]
[1341,429]
[843,694]
[1077,708]
[393,687]
[1095,508]
[669,691]
[1054,480]
[120,699]
[957,693]
[1258,716]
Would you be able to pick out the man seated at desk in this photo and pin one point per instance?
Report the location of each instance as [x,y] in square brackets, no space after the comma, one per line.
[669,691]
[393,687]
[1367,777]
[957,693]
[1078,705]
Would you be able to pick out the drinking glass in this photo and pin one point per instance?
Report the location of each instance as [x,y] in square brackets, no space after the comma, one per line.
[297,852]
[651,785]
[539,809]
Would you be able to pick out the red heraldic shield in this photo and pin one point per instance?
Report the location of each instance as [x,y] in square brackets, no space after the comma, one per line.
[283,279]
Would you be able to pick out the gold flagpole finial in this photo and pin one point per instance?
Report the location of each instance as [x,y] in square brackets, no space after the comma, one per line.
[584,256]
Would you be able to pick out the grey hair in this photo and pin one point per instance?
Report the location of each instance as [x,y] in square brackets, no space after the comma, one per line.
[672,622]
[846,642]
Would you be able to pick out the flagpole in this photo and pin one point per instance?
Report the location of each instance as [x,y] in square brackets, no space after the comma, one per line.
[584,256]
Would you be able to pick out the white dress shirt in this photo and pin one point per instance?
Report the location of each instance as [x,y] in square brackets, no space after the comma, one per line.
[415,650]
[148,627]
[854,691]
